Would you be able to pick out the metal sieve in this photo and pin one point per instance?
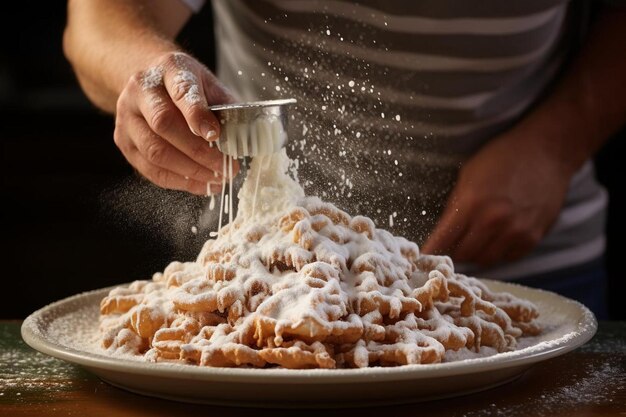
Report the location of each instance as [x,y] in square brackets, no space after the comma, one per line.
[253,128]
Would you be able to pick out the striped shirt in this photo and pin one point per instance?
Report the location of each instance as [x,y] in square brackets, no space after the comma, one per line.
[393,97]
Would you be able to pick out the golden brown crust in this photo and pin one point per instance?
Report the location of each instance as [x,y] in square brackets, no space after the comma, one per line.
[320,301]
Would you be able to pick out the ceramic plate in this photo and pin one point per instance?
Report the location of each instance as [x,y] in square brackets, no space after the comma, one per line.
[68,330]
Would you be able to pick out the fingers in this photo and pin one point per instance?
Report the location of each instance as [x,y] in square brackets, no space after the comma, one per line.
[451,226]
[167,179]
[165,119]
[161,163]
[159,152]
[505,248]
[508,244]
[159,117]
[483,233]
[184,80]
[513,237]
[471,244]
[488,225]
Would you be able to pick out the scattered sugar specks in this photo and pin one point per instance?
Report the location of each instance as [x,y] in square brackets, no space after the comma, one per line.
[152,78]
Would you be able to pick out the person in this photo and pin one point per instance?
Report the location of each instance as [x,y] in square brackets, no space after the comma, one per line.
[466,126]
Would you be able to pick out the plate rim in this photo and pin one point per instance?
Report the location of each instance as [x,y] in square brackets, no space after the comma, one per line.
[585,327]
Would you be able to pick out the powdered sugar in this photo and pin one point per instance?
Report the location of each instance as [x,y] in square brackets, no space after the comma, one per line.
[297,265]
[152,78]
[23,370]
[263,135]
[527,346]
[566,326]
[563,386]
[300,265]
[584,375]
[591,388]
[265,196]
[597,385]
[187,86]
[186,82]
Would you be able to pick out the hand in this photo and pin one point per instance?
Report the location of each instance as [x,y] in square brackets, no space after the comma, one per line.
[164,128]
[506,198]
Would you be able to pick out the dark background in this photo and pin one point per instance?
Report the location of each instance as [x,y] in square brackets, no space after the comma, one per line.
[63,179]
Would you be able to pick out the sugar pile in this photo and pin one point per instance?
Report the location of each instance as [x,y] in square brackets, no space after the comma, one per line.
[294,281]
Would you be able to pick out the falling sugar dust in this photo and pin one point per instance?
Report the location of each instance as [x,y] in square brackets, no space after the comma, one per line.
[345,150]
[356,145]
[163,219]
[185,221]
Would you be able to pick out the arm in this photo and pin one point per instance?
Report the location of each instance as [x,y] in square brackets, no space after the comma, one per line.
[124,55]
[107,41]
[509,194]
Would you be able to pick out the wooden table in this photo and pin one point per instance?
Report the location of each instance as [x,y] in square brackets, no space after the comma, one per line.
[590,381]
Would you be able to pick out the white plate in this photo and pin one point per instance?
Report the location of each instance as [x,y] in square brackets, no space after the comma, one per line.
[67,330]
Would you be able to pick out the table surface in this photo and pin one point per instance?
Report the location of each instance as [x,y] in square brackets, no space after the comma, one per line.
[590,381]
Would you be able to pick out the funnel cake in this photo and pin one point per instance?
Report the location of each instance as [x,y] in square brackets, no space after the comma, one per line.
[296,282]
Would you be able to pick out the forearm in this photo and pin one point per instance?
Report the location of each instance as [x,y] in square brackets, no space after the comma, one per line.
[107,41]
[589,103]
